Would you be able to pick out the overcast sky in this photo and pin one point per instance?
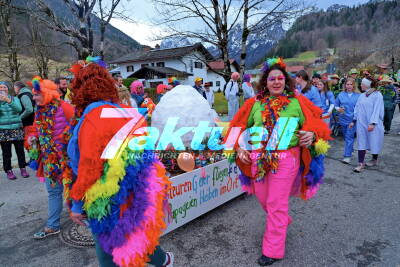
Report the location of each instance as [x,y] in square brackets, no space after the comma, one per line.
[143,13]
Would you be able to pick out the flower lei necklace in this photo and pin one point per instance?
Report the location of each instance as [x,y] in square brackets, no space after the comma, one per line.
[273,105]
[54,159]
[387,91]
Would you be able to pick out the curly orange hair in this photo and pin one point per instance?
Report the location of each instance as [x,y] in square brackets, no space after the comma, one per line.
[92,83]
[48,89]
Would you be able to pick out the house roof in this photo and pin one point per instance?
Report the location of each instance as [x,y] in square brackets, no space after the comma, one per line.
[162,54]
[161,70]
[115,70]
[220,64]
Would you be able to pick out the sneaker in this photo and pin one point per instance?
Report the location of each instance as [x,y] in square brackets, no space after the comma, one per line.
[371,163]
[346,160]
[24,173]
[359,168]
[386,132]
[170,260]
[265,261]
[45,233]
[11,175]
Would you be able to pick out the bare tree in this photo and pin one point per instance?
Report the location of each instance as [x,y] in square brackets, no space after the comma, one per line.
[107,10]
[350,58]
[81,38]
[260,15]
[41,50]
[218,19]
[6,10]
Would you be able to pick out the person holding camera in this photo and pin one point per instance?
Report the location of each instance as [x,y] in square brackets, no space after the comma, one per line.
[11,131]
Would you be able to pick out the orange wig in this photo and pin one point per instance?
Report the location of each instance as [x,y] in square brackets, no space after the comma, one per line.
[91,84]
[48,89]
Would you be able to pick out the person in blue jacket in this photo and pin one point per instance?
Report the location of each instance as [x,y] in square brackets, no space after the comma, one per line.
[345,103]
[305,87]
[327,100]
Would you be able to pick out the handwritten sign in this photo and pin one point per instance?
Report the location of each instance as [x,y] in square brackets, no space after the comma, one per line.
[194,193]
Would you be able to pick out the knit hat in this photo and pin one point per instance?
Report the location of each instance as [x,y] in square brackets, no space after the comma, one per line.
[6,84]
[246,78]
[161,88]
[353,71]
[335,76]
[385,79]
[235,76]
[383,66]
[316,75]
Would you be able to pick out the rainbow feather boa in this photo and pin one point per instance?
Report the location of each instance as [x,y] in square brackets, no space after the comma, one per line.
[125,206]
[128,219]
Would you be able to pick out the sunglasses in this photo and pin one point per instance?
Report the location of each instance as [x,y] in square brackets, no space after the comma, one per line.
[274,78]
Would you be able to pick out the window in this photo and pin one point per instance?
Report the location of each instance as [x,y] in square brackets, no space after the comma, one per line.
[160,64]
[211,84]
[152,64]
[144,65]
[217,83]
[198,65]
[129,68]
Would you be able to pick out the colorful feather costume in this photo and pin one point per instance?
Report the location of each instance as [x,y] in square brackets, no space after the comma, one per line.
[47,138]
[312,159]
[123,197]
[149,104]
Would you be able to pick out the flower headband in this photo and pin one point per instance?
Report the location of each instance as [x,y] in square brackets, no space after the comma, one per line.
[273,61]
[84,63]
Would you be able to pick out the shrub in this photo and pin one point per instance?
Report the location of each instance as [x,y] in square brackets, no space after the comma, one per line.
[127,82]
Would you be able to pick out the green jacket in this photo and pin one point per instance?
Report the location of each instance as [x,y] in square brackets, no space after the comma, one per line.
[389,96]
[26,103]
[9,114]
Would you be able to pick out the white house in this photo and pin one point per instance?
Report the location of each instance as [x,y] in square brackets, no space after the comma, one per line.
[157,65]
[216,80]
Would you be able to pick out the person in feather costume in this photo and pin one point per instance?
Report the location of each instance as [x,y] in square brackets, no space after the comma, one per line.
[120,196]
[46,143]
[285,158]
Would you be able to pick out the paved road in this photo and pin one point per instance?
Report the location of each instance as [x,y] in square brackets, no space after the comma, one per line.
[353,221]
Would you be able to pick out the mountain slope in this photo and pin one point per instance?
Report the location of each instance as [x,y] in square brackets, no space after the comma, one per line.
[116,42]
[258,44]
[362,30]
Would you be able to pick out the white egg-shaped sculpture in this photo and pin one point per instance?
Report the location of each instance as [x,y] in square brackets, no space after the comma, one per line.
[186,105]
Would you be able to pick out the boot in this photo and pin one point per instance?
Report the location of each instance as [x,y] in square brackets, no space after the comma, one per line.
[11,175]
[265,261]
[24,173]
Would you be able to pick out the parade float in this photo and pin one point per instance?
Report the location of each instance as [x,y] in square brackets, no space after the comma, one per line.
[202,178]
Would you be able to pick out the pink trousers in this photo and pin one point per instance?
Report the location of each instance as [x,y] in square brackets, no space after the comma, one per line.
[273,194]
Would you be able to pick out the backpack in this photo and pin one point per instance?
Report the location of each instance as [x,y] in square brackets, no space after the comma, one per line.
[31,118]
[225,87]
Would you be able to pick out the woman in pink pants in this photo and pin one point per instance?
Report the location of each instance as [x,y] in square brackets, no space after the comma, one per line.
[289,158]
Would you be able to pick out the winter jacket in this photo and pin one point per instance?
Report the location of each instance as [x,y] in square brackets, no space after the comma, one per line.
[61,120]
[9,114]
[27,116]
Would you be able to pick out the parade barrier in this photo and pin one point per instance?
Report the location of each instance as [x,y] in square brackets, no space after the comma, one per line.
[195,193]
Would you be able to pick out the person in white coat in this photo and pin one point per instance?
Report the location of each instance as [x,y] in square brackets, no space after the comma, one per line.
[248,91]
[232,95]
[368,118]
[208,94]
